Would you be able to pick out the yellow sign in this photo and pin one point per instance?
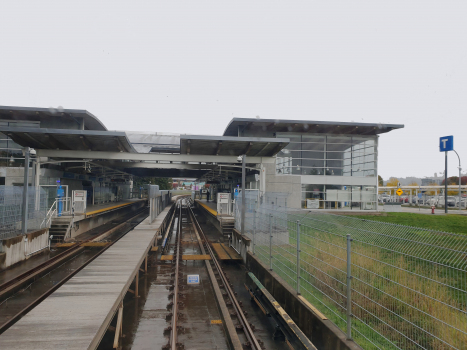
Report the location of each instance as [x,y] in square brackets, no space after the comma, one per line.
[216,321]
[399,192]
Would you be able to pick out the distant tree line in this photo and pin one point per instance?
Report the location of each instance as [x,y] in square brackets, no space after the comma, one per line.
[165,183]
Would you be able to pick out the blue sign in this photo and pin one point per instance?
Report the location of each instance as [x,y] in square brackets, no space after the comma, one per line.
[419,195]
[193,279]
[446,143]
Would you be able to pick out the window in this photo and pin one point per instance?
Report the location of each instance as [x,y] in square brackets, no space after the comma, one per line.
[328,155]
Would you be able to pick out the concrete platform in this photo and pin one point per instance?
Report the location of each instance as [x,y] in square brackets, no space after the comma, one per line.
[210,207]
[77,315]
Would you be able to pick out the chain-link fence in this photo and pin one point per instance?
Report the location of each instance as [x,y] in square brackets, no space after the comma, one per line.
[11,203]
[387,286]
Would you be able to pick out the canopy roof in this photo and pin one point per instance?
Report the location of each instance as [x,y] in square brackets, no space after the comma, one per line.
[66,139]
[51,117]
[248,126]
[225,145]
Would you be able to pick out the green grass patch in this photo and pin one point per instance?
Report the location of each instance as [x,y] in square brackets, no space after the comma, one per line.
[447,223]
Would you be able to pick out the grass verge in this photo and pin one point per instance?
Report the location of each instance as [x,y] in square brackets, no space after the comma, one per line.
[446,223]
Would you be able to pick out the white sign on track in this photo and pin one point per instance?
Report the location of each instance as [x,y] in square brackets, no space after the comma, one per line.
[193,279]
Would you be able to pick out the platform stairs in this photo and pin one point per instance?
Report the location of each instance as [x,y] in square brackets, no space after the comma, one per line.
[59,228]
[227,225]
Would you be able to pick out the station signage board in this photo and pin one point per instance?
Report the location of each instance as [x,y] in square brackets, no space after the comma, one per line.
[446,143]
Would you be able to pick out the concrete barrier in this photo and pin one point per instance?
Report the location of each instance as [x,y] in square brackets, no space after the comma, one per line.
[20,248]
[324,334]
[86,224]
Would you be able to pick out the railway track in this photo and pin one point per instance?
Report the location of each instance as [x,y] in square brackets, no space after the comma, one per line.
[15,285]
[183,209]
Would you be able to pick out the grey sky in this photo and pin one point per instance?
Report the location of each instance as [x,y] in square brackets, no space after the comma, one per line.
[190,66]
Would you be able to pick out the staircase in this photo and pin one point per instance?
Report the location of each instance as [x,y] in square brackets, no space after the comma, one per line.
[58,229]
[228,224]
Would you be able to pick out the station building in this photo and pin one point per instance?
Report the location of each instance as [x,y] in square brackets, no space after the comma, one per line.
[311,164]
[326,165]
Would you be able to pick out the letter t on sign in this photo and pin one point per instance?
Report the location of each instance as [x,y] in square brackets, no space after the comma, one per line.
[446,143]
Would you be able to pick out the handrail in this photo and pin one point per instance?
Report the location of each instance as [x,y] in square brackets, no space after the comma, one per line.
[49,214]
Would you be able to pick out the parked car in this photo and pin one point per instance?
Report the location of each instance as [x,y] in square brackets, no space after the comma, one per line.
[451,201]
[383,198]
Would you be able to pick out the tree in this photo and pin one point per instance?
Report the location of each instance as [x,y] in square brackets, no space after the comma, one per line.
[432,192]
[454,181]
[380,181]
[164,183]
[393,181]
[412,191]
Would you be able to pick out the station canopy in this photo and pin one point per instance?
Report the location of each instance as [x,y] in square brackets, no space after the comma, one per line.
[65,139]
[225,145]
[248,126]
[52,117]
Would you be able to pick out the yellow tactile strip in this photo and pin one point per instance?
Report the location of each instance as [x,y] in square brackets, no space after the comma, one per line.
[210,210]
[109,208]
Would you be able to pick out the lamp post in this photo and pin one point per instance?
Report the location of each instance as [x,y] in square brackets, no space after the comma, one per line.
[460,196]
[24,209]
[243,194]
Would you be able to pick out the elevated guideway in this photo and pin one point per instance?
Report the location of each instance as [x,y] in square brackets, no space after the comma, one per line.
[77,315]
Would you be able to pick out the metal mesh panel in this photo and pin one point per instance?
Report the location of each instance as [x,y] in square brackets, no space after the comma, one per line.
[408,285]
[11,203]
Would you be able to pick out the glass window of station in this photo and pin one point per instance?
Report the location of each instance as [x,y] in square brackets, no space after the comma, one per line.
[11,154]
[332,155]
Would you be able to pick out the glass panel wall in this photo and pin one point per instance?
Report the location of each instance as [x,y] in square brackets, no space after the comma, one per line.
[10,152]
[328,155]
[339,197]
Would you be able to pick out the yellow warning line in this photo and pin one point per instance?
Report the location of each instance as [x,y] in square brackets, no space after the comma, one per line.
[216,321]
[315,310]
[209,209]
[108,208]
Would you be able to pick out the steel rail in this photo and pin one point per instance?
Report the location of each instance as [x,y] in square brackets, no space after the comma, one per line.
[38,300]
[241,316]
[173,335]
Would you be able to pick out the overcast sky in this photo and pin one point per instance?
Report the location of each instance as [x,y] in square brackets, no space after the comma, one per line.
[191,66]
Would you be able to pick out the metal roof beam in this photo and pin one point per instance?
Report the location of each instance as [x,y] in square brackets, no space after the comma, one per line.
[148,156]
[262,149]
[56,143]
[86,143]
[146,165]
[248,148]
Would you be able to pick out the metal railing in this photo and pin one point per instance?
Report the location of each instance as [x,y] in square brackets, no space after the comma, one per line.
[387,286]
[53,211]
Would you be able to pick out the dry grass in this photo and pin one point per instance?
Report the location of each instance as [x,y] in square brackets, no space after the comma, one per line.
[399,300]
